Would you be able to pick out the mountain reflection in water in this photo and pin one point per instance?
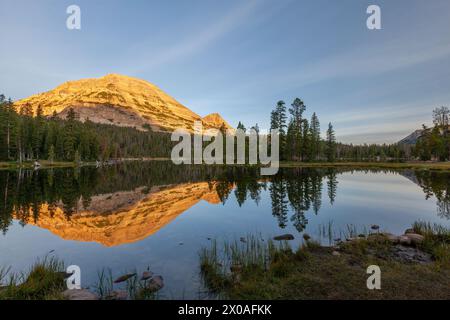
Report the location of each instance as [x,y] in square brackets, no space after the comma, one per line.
[129,202]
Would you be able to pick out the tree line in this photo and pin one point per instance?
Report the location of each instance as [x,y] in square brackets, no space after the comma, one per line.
[26,135]
[300,139]
[434,143]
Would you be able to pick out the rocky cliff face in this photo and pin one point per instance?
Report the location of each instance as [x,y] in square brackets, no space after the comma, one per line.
[124,216]
[215,120]
[119,100]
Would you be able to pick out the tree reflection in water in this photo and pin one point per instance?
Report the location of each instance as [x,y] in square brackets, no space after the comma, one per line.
[293,192]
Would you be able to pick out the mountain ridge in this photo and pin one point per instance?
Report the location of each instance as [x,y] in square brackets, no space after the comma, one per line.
[411,138]
[118,100]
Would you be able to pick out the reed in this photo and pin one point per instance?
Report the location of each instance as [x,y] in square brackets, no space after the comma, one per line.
[43,281]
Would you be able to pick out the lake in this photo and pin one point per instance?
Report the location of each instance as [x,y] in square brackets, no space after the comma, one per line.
[157,216]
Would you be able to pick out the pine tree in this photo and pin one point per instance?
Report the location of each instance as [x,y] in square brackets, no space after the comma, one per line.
[256,128]
[314,130]
[51,153]
[281,114]
[38,133]
[306,141]
[3,127]
[273,120]
[241,126]
[290,141]
[76,157]
[296,110]
[330,144]
[69,138]
[278,121]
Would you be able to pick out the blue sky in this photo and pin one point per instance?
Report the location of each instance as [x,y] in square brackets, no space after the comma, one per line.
[239,58]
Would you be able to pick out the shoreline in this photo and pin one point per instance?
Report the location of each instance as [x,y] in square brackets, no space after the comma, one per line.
[45,164]
[420,165]
[369,165]
[415,265]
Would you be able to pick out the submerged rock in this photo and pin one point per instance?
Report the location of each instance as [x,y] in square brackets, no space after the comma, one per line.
[81,294]
[287,236]
[125,277]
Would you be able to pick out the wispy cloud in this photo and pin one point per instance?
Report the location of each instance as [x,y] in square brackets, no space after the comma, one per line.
[358,61]
[378,123]
[198,41]
[420,110]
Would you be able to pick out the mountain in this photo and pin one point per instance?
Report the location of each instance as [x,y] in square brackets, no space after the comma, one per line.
[121,101]
[412,138]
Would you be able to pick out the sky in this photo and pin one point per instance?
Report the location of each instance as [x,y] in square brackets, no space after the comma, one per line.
[239,57]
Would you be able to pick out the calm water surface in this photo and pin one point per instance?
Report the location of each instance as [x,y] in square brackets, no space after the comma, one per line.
[156,215]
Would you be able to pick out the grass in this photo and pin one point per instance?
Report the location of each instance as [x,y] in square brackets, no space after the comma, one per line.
[44,281]
[436,242]
[327,231]
[135,288]
[253,253]
[264,270]
[283,164]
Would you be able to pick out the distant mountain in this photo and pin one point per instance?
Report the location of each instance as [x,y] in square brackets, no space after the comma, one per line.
[122,101]
[412,138]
